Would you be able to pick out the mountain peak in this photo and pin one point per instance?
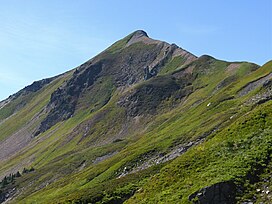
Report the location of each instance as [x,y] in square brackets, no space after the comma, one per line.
[139,34]
[142,106]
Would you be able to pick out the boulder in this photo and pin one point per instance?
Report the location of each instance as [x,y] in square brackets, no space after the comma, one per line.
[219,193]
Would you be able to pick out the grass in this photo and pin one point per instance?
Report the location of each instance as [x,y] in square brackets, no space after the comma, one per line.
[172,65]
[101,91]
[228,155]
[120,44]
[15,105]
[100,127]
[34,106]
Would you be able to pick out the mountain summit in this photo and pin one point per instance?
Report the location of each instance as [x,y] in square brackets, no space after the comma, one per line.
[123,65]
[144,121]
[139,34]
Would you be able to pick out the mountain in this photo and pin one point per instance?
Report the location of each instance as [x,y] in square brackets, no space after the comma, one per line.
[144,121]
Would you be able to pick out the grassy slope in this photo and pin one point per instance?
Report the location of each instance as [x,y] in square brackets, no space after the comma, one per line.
[186,122]
[238,150]
[34,106]
[233,153]
[102,172]
[10,108]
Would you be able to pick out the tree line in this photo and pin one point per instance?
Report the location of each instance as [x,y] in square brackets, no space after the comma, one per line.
[11,177]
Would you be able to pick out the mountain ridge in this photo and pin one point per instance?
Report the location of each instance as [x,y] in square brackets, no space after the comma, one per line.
[136,124]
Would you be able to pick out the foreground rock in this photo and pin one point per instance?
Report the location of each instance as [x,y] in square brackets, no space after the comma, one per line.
[219,193]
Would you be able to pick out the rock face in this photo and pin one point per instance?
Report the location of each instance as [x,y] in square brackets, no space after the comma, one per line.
[219,193]
[5,194]
[138,36]
[37,85]
[63,101]
[2,197]
[253,85]
[18,100]
[34,87]
[147,98]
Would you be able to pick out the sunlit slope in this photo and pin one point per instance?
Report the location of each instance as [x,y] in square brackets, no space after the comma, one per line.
[144,121]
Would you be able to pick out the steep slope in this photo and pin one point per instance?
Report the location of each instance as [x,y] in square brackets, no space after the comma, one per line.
[120,66]
[142,122]
[92,84]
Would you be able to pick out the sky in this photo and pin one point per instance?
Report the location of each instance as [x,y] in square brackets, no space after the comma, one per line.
[40,39]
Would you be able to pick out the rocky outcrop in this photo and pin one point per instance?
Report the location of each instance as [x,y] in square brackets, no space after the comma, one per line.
[167,54]
[37,85]
[264,95]
[18,100]
[63,101]
[148,97]
[155,158]
[34,87]
[139,36]
[253,85]
[219,193]
[148,74]
[6,194]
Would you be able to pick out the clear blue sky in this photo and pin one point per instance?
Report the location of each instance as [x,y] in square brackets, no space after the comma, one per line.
[42,38]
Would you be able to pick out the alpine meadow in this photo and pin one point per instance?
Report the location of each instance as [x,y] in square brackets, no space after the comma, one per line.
[144,121]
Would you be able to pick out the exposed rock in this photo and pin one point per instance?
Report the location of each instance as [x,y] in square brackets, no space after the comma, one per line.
[147,98]
[37,85]
[262,96]
[219,193]
[168,52]
[158,158]
[63,101]
[138,36]
[6,194]
[148,74]
[23,96]
[253,85]
[226,82]
[104,157]
[34,87]
[233,67]
[19,139]
[4,102]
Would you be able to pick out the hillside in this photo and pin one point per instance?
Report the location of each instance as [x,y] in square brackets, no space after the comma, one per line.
[144,121]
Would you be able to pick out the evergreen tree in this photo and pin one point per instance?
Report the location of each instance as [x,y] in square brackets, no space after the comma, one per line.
[4,181]
[18,174]
[12,177]
[25,171]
